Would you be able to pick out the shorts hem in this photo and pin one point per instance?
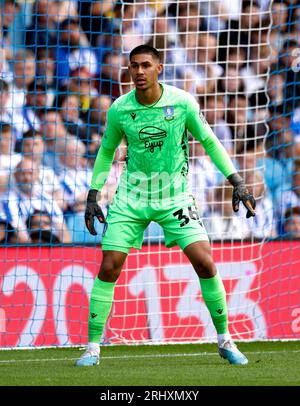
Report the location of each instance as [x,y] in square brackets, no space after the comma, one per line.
[184,241]
[111,247]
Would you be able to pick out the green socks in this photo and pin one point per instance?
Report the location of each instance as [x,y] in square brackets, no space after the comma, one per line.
[102,294]
[214,296]
[100,304]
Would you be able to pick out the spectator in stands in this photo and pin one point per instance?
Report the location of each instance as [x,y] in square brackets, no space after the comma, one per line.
[231,56]
[221,222]
[255,73]
[56,137]
[40,228]
[279,12]
[24,69]
[202,176]
[189,17]
[237,108]
[72,54]
[174,56]
[68,105]
[126,82]
[4,100]
[290,195]
[251,16]
[261,34]
[109,78]
[96,19]
[111,184]
[291,226]
[46,72]
[25,198]
[294,24]
[24,74]
[214,114]
[98,111]
[43,30]
[8,158]
[289,62]
[11,27]
[136,24]
[6,229]
[35,105]
[275,87]
[205,71]
[75,176]
[295,123]
[263,225]
[231,82]
[215,15]
[81,84]
[33,147]
[65,9]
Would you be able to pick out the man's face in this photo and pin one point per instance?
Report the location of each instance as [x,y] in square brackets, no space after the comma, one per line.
[37,98]
[25,71]
[293,225]
[215,111]
[238,109]
[4,97]
[40,221]
[26,175]
[71,35]
[33,147]
[144,70]
[296,182]
[5,142]
[52,126]
[8,13]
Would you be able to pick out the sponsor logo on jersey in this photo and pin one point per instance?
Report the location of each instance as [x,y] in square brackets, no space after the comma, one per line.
[152,137]
[133,116]
[169,112]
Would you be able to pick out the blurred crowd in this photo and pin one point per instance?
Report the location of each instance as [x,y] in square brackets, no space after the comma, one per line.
[62,64]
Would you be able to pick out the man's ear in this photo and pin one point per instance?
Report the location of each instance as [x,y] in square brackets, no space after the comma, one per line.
[160,68]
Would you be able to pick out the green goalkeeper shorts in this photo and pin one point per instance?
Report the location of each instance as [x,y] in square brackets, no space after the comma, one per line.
[125,224]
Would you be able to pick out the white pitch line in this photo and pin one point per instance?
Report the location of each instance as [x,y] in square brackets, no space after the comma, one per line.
[196,354]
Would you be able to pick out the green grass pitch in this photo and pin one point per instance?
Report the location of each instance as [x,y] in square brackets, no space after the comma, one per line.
[270,363]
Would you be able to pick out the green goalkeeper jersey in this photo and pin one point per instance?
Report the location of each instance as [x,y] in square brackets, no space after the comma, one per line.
[157,139]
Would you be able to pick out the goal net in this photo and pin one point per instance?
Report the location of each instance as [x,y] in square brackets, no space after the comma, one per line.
[63,63]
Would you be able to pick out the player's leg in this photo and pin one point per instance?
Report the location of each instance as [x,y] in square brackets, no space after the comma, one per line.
[124,229]
[214,296]
[183,226]
[100,304]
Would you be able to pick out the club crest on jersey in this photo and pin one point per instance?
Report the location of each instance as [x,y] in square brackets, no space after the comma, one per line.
[169,112]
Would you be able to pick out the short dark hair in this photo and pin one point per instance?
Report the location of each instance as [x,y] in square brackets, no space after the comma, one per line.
[64,25]
[145,49]
[3,85]
[5,127]
[37,85]
[32,133]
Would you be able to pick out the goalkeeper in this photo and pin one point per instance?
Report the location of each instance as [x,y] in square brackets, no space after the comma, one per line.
[155,119]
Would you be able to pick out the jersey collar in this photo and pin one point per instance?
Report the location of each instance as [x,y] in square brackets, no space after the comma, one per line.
[149,106]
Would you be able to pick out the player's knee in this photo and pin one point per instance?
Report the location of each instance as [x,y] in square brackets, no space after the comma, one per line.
[205,267]
[109,271]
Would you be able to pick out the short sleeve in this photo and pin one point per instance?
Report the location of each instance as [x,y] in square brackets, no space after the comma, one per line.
[113,133]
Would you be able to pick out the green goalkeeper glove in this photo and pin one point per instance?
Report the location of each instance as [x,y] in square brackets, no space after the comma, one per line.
[241,193]
[92,210]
